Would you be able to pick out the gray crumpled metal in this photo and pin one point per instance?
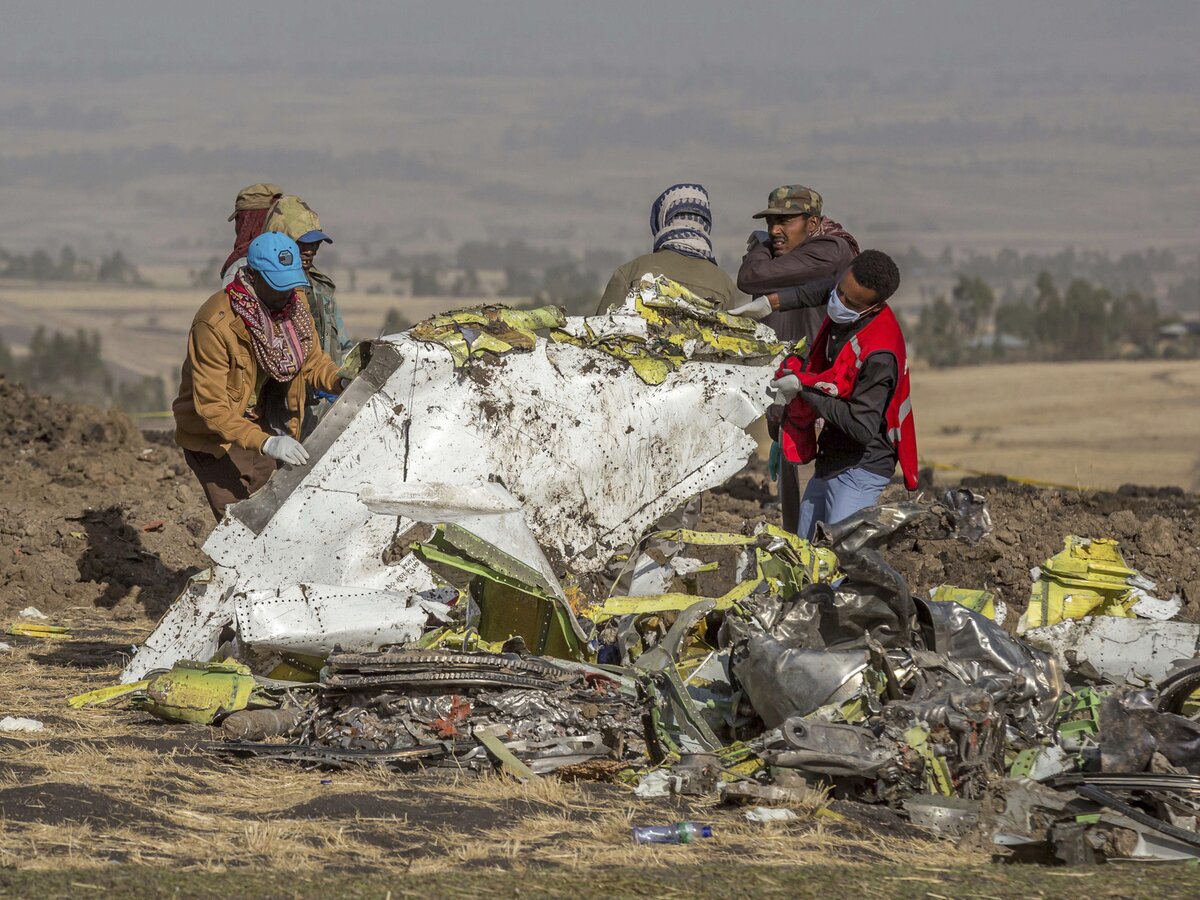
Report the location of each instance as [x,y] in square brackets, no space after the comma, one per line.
[969,514]
[826,748]
[783,681]
[979,650]
[1133,729]
[872,590]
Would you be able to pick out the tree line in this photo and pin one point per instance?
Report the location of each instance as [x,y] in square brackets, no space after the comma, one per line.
[72,366]
[40,265]
[1043,322]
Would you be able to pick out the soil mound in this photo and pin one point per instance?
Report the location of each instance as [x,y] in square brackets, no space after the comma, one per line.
[92,512]
[1158,530]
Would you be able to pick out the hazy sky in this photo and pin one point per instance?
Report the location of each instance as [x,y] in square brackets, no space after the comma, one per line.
[987,122]
[1081,35]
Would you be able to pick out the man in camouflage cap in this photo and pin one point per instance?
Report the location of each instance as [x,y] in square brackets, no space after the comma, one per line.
[800,246]
[792,200]
[299,221]
[250,211]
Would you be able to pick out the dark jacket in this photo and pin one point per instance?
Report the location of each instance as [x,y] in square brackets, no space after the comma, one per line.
[817,258]
[855,430]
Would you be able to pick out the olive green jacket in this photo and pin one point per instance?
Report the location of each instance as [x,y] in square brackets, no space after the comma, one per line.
[699,276]
[331,330]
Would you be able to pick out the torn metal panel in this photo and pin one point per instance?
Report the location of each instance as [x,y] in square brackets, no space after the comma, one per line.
[315,618]
[485,510]
[591,453]
[946,816]
[1115,650]
[190,629]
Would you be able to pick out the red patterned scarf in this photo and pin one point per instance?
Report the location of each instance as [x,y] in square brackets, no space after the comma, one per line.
[828,226]
[249,224]
[281,340]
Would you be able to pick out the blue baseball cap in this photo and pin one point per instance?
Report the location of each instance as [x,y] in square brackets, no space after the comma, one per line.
[311,237]
[276,258]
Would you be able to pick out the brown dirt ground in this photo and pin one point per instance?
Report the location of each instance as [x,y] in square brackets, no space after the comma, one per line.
[84,495]
[1158,530]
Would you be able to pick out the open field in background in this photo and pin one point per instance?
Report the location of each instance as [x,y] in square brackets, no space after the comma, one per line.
[144,329]
[1093,424]
[922,151]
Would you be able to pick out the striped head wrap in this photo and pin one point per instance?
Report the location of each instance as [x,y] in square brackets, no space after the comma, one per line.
[681,220]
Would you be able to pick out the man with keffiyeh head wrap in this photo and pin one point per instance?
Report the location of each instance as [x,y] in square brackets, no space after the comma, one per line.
[250,211]
[252,340]
[681,226]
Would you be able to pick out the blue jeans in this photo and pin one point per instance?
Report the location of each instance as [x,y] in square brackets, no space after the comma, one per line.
[830,500]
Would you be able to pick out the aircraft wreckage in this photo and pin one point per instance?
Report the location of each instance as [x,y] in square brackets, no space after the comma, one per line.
[487,562]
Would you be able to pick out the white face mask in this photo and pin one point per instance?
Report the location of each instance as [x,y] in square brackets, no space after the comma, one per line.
[838,311]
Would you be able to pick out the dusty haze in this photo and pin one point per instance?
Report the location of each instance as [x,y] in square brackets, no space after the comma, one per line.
[130,125]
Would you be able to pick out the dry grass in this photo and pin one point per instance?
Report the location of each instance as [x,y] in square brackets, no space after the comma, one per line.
[1097,425]
[99,787]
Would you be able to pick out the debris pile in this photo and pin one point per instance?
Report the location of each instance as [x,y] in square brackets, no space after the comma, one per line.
[470,572]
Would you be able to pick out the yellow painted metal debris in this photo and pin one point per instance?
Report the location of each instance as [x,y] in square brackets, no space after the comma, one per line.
[196,692]
[40,630]
[783,561]
[199,692]
[487,330]
[297,667]
[1088,578]
[982,602]
[681,326]
[937,771]
[108,696]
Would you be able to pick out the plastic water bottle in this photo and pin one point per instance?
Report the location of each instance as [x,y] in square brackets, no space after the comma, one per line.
[679,833]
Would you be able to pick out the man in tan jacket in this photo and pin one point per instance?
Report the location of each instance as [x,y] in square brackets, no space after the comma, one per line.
[252,353]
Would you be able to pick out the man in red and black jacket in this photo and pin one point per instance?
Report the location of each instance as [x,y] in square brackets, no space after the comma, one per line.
[855,379]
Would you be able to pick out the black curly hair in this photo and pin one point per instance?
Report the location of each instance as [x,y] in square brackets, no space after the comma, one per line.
[878,272]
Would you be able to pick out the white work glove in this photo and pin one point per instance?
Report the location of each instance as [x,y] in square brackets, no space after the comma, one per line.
[758,308]
[757,237]
[286,449]
[786,388]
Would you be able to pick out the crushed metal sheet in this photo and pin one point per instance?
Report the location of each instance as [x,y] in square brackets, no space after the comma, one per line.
[1117,650]
[559,427]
